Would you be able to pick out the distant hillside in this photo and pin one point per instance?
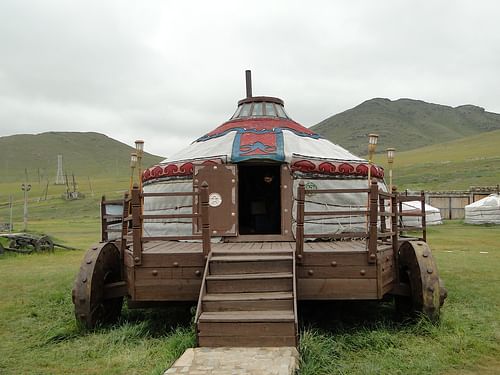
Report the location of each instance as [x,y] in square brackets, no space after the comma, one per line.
[405,124]
[84,154]
[452,165]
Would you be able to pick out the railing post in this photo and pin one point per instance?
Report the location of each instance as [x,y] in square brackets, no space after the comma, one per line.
[372,234]
[383,218]
[205,220]
[394,226]
[125,213]
[400,218]
[424,223]
[395,218]
[301,196]
[137,224]
[104,224]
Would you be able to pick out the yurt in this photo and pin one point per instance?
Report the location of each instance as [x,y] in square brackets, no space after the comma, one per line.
[225,221]
[432,214]
[484,211]
[253,163]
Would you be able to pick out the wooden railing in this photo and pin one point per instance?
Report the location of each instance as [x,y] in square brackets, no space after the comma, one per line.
[295,311]
[389,232]
[203,290]
[108,220]
[137,217]
[408,198]
[375,199]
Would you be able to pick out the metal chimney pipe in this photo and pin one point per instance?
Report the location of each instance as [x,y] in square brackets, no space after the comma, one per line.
[248,76]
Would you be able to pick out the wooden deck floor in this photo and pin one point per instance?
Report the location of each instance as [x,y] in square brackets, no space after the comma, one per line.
[194,247]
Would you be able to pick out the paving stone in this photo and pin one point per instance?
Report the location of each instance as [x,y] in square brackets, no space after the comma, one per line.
[236,361]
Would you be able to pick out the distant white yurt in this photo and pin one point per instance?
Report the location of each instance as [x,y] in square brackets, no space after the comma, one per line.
[432,214]
[484,211]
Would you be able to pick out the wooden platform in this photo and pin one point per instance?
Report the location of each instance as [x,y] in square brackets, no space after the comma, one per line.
[194,247]
[335,270]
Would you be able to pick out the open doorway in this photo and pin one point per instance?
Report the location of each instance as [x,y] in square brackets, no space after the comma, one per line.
[259,198]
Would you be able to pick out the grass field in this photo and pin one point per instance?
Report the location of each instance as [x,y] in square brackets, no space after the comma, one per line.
[38,334]
[449,166]
[84,154]
[467,340]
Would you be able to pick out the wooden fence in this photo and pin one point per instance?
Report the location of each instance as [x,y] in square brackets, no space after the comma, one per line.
[452,203]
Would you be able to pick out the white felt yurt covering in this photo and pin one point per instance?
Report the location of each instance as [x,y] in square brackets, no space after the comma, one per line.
[432,214]
[484,211]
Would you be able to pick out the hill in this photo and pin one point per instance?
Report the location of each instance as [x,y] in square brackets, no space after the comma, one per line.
[451,165]
[405,124]
[84,154]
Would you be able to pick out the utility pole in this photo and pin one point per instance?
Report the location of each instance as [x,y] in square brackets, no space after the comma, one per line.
[46,190]
[25,187]
[90,185]
[11,203]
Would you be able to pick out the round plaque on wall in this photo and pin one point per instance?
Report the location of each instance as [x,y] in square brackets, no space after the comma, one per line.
[214,200]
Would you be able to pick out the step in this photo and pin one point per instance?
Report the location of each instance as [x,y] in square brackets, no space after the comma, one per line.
[253,276]
[247,316]
[247,328]
[248,296]
[246,341]
[217,252]
[248,301]
[238,264]
[228,329]
[250,257]
[247,283]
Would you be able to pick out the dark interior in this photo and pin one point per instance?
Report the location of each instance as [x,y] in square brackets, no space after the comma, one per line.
[259,199]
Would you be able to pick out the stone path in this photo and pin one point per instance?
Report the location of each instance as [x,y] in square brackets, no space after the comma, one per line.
[236,361]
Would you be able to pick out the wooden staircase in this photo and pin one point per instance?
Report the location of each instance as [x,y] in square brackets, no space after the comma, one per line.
[248,299]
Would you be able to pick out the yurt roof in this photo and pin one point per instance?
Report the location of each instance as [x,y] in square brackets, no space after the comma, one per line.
[491,201]
[417,205]
[261,130]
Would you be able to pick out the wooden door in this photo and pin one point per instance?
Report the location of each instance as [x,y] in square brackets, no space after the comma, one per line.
[222,182]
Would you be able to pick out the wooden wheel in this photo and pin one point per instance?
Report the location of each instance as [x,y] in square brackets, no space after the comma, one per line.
[418,270]
[21,246]
[99,271]
[44,243]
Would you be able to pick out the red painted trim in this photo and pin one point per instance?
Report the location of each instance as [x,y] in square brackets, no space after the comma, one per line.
[330,167]
[260,124]
[175,169]
[336,168]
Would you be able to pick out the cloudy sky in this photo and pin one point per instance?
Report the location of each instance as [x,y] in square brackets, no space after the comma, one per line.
[169,71]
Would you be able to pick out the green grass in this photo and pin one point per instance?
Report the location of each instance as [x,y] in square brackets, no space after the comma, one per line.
[365,341]
[55,216]
[38,333]
[84,155]
[449,166]
[36,313]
